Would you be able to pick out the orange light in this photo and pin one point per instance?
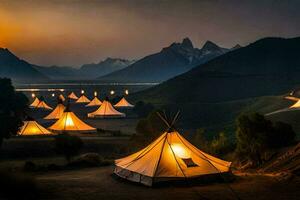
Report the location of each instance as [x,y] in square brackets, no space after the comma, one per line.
[180,151]
[53,95]
[32,95]
[95,94]
[82,91]
[112,92]
[126,92]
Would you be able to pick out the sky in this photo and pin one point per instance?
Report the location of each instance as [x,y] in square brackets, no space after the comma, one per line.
[75,32]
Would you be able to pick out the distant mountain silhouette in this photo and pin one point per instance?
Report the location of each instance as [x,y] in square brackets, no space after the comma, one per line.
[104,67]
[87,71]
[169,62]
[18,70]
[266,67]
[212,95]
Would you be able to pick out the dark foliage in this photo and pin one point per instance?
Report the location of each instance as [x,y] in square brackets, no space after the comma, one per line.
[68,145]
[12,109]
[255,135]
[143,109]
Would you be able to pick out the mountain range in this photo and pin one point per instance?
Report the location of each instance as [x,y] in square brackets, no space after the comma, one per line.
[217,91]
[169,62]
[16,69]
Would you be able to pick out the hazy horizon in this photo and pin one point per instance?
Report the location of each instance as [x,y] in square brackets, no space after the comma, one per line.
[76,32]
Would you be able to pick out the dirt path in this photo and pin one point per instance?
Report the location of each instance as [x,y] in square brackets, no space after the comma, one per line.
[97,183]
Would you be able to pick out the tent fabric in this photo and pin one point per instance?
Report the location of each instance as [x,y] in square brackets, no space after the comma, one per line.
[296,105]
[61,97]
[43,105]
[106,110]
[73,96]
[292,98]
[83,99]
[57,112]
[35,102]
[169,157]
[94,102]
[69,122]
[33,128]
[124,103]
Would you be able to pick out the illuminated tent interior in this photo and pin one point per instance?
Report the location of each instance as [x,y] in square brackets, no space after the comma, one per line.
[69,122]
[73,96]
[94,102]
[62,97]
[169,157]
[106,110]
[124,103]
[296,105]
[35,102]
[83,99]
[31,127]
[57,112]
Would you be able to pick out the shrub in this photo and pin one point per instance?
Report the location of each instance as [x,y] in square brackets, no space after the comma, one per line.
[89,160]
[255,135]
[68,145]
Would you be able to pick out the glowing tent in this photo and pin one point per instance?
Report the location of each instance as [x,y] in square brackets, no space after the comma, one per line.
[69,122]
[31,127]
[94,102]
[106,110]
[43,105]
[83,99]
[73,96]
[57,112]
[62,97]
[123,103]
[35,102]
[296,105]
[169,157]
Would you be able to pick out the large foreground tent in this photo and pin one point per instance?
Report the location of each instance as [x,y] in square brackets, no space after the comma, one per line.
[73,96]
[57,112]
[123,103]
[83,99]
[106,110]
[31,127]
[69,122]
[94,102]
[169,157]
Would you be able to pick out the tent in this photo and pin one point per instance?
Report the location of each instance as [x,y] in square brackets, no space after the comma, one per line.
[43,105]
[83,99]
[169,157]
[73,96]
[35,102]
[106,110]
[57,112]
[296,105]
[31,127]
[94,102]
[62,97]
[69,122]
[123,103]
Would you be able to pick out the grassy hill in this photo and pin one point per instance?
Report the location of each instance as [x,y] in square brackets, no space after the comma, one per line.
[248,79]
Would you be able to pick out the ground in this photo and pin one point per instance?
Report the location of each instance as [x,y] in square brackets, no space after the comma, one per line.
[98,183]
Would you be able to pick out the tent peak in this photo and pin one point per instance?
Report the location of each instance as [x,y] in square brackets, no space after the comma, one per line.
[169,121]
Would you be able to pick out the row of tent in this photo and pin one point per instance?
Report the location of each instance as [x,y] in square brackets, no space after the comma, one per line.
[67,121]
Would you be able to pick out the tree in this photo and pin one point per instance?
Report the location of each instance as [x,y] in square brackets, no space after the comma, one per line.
[255,135]
[68,145]
[13,106]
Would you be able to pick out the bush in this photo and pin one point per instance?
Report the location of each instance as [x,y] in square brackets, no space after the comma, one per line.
[68,145]
[17,186]
[256,135]
[89,160]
